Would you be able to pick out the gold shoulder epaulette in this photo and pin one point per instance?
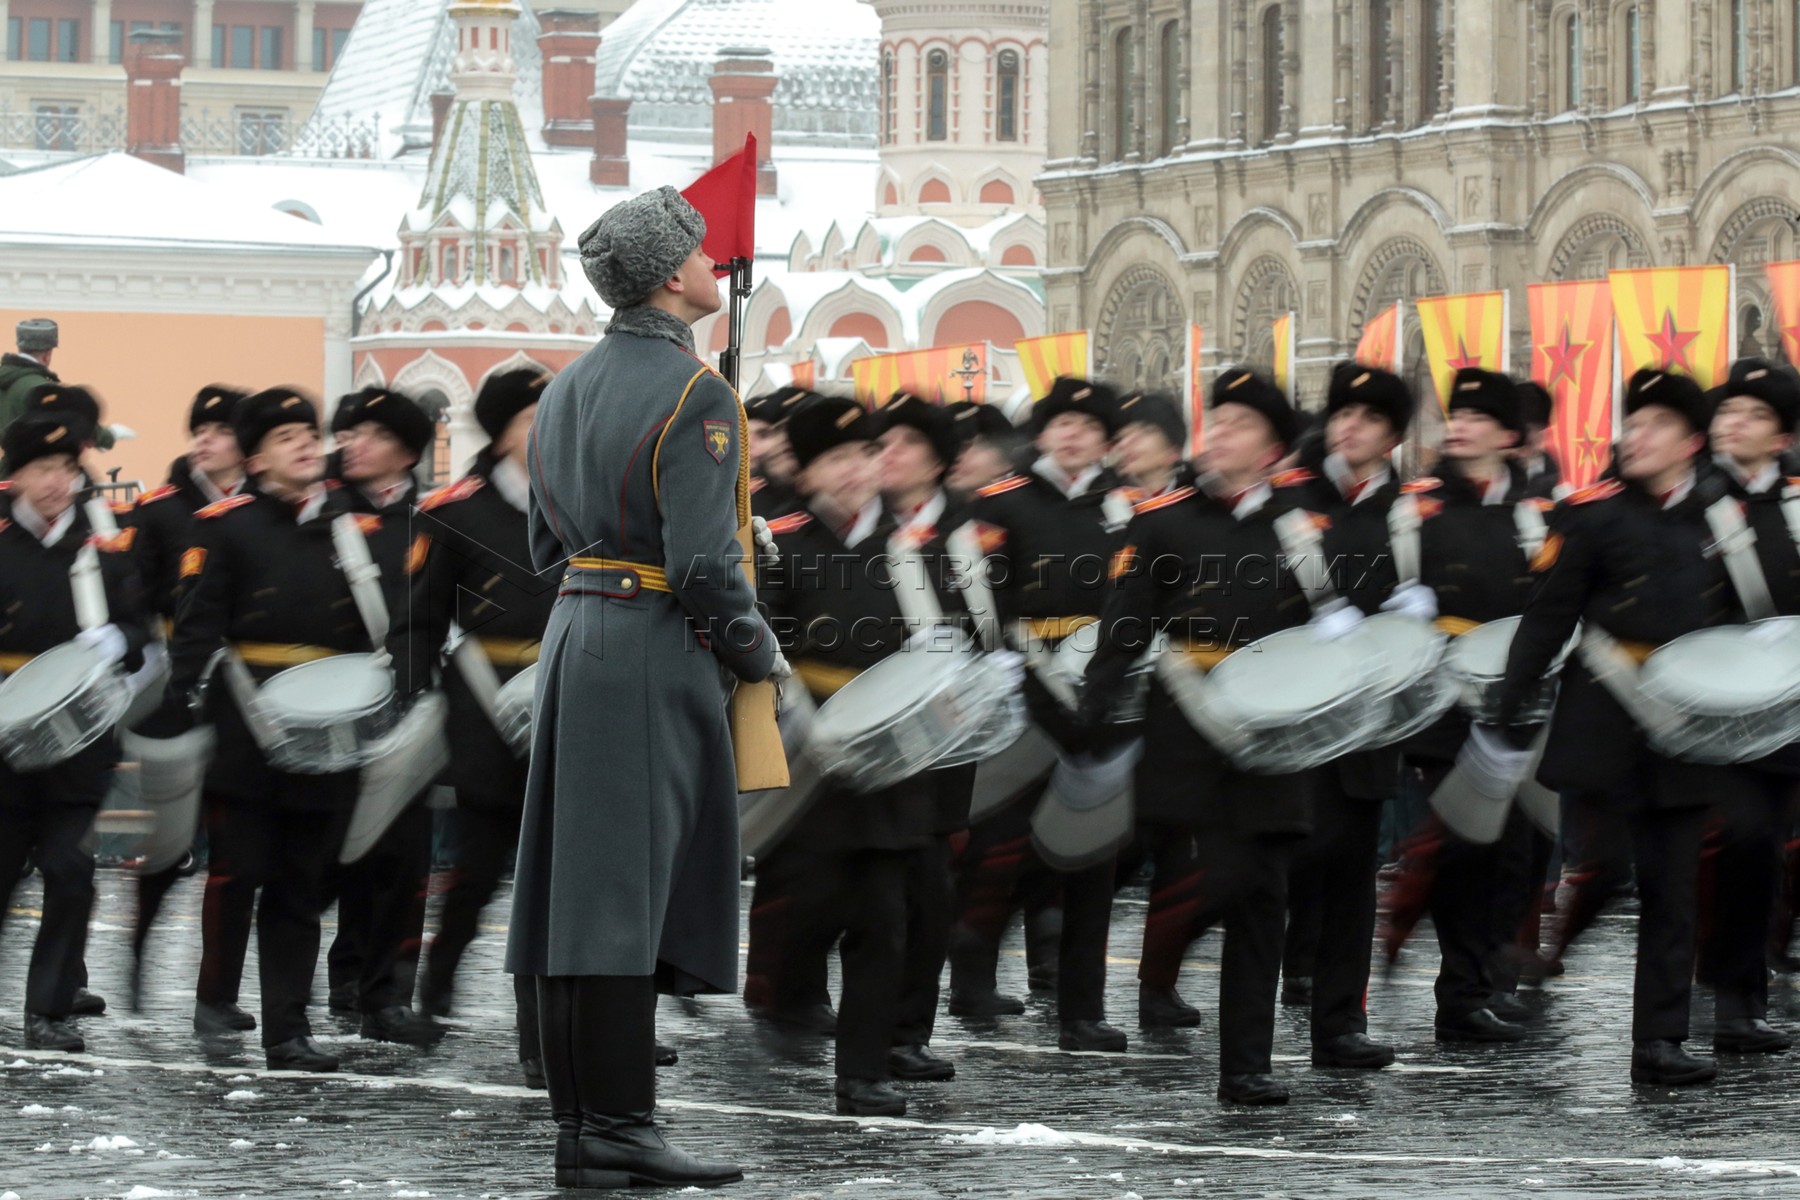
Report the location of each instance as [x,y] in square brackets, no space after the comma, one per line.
[1164,500]
[155,494]
[1424,483]
[462,489]
[226,505]
[790,523]
[1293,478]
[1605,489]
[1001,486]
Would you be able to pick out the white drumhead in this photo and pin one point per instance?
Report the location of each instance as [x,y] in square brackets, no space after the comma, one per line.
[1409,647]
[341,686]
[1481,652]
[519,691]
[895,685]
[1732,669]
[1289,673]
[46,682]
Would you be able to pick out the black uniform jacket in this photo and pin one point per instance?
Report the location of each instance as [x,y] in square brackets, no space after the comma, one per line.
[1471,557]
[470,564]
[37,613]
[1616,559]
[1047,553]
[769,499]
[1777,545]
[833,611]
[164,521]
[257,575]
[1211,579]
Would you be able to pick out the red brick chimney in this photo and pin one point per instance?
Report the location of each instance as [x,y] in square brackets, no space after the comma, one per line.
[153,61]
[743,84]
[568,39]
[610,166]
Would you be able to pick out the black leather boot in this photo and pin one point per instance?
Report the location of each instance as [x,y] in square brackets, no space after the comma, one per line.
[1091,1035]
[51,1033]
[1165,1010]
[869,1098]
[618,1150]
[1665,1062]
[555,997]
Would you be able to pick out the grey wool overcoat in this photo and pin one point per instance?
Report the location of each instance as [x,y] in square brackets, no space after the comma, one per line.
[628,854]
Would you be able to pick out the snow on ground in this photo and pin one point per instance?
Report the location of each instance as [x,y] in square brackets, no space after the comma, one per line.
[1021,1135]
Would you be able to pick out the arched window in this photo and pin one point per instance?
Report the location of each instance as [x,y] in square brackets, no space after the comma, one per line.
[1274,86]
[1006,97]
[1431,57]
[937,96]
[1381,33]
[1169,76]
[887,97]
[1572,63]
[1634,54]
[1124,92]
[1740,48]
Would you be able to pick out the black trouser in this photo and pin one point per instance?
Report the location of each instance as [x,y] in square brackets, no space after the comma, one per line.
[381,914]
[930,895]
[1331,908]
[290,853]
[1175,899]
[1244,887]
[860,897]
[599,1045]
[47,815]
[1748,824]
[781,974]
[1524,861]
[482,838]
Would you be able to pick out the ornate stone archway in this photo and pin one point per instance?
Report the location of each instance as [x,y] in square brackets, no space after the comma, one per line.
[1761,232]
[1141,327]
[1595,245]
[1267,291]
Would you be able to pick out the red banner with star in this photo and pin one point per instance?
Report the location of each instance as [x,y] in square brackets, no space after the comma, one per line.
[1463,331]
[1676,319]
[1784,291]
[1572,356]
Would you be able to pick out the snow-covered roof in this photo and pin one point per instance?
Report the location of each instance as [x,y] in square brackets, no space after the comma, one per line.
[399,54]
[661,52]
[116,199]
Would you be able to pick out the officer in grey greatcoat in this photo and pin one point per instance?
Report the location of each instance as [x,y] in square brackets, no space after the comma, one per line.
[627,878]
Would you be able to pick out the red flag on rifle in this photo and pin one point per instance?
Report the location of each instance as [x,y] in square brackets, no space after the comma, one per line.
[726,197]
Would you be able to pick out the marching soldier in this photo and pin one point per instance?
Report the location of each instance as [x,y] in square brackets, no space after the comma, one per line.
[1232,834]
[262,578]
[1331,892]
[373,961]
[1151,445]
[1631,557]
[163,520]
[1543,474]
[771,460]
[468,567]
[1048,539]
[47,814]
[986,445]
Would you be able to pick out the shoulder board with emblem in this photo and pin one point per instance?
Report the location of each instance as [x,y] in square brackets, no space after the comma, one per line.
[1293,478]
[1424,483]
[1001,486]
[1429,507]
[1163,501]
[155,494]
[226,505]
[368,522]
[462,489]
[790,523]
[1541,504]
[120,507]
[757,484]
[118,543]
[1603,490]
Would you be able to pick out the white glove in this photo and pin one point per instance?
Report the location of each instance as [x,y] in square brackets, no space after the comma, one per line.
[780,669]
[1339,619]
[1413,600]
[766,554]
[1011,665]
[109,640]
[1491,764]
[122,433]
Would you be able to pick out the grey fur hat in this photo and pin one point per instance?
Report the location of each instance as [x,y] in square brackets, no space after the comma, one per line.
[35,334]
[639,243]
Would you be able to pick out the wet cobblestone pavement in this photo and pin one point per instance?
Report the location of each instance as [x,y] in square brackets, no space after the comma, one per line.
[153,1111]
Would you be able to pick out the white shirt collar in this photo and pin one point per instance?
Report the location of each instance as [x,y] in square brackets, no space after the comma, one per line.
[928,514]
[513,484]
[388,496]
[865,523]
[1495,490]
[47,532]
[1250,500]
[307,509]
[1338,471]
[210,490]
[1046,469]
[1768,477]
[1680,491]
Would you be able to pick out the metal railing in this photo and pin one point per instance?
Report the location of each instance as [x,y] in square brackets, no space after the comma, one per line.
[252,131]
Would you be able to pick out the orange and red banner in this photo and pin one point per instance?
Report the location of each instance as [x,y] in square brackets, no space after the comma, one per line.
[806,374]
[1784,290]
[1284,354]
[1379,345]
[940,374]
[1042,359]
[1572,356]
[1677,319]
[1463,331]
[1196,390]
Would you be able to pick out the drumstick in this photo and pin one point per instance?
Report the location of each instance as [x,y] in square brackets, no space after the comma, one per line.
[1403,536]
[478,673]
[89,589]
[1305,551]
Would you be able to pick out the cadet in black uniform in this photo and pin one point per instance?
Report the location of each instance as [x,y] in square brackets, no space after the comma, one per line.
[1048,542]
[373,961]
[163,528]
[1632,557]
[1471,559]
[262,576]
[48,814]
[845,863]
[1543,474]
[987,444]
[1178,572]
[771,459]
[1331,890]
[468,565]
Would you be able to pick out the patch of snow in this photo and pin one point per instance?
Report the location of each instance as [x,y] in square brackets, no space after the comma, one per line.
[238,1079]
[297,1121]
[17,1063]
[116,1142]
[405,1194]
[241,1143]
[142,1192]
[9,1196]
[282,1146]
[1023,1135]
[242,1094]
[46,1147]
[36,1110]
[861,1182]
[461,1114]
[70,1108]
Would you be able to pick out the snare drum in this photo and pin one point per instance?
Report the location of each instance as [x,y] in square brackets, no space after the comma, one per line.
[1732,693]
[514,707]
[328,715]
[1291,701]
[1477,661]
[1416,691]
[905,713]
[59,704]
[1068,663]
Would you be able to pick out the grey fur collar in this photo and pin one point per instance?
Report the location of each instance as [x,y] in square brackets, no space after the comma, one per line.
[645,321]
